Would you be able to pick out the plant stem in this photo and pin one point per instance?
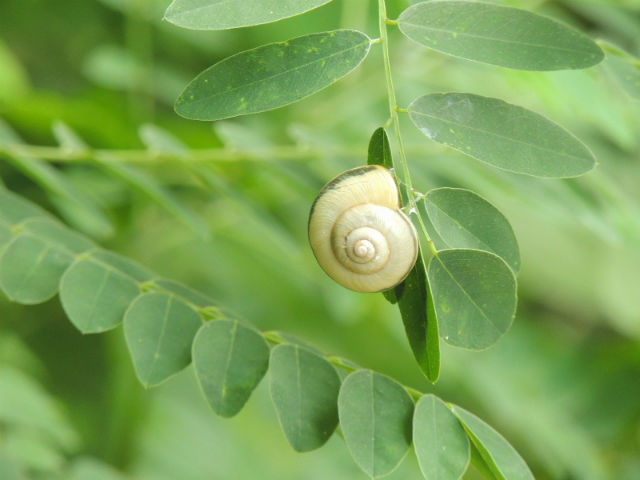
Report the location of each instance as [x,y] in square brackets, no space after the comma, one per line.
[383,21]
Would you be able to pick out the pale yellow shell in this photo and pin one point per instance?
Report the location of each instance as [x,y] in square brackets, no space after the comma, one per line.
[358,233]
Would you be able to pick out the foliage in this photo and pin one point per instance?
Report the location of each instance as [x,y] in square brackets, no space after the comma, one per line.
[224,213]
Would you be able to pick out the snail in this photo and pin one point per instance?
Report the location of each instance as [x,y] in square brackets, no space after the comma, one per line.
[358,233]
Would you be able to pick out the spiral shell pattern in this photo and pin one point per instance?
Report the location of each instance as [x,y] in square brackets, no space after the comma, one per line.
[358,233]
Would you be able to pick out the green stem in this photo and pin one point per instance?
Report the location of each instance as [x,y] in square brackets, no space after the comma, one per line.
[383,21]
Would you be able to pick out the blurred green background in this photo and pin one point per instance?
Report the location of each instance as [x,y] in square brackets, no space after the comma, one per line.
[563,385]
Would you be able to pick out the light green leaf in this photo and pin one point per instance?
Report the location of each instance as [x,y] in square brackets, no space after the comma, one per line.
[375,416]
[474,295]
[502,36]
[503,135]
[159,330]
[34,260]
[439,440]
[14,209]
[418,316]
[185,293]
[225,14]
[501,458]
[624,68]
[95,294]
[379,152]
[464,219]
[304,390]
[230,360]
[273,75]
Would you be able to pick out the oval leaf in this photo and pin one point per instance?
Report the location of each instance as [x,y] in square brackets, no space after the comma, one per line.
[500,134]
[464,219]
[159,330]
[33,262]
[474,295]
[501,458]
[225,14]
[304,390]
[95,294]
[502,36]
[273,75]
[230,360]
[439,440]
[375,416]
[419,319]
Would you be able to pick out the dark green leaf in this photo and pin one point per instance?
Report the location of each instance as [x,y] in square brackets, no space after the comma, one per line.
[224,14]
[474,294]
[379,149]
[501,458]
[502,36]
[304,390]
[159,330]
[375,416]
[273,75]
[95,295]
[440,442]
[230,360]
[463,219]
[419,320]
[503,135]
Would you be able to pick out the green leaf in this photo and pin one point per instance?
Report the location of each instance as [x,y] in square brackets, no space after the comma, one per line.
[418,316]
[379,149]
[225,14]
[474,295]
[95,295]
[304,390]
[14,209]
[502,36]
[624,68]
[34,260]
[375,416]
[464,219]
[503,135]
[439,440]
[501,458]
[273,75]
[230,360]
[185,293]
[159,330]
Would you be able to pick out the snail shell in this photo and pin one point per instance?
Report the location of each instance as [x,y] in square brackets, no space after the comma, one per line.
[358,233]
